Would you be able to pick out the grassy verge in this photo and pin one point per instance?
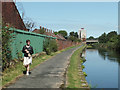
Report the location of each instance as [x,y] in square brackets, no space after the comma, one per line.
[10,75]
[89,46]
[73,77]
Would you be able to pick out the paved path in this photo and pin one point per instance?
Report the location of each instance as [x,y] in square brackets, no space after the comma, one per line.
[49,74]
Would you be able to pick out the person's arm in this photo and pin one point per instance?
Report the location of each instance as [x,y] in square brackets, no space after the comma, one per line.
[31,51]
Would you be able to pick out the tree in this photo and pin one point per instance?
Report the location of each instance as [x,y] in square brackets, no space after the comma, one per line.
[73,36]
[76,34]
[118,43]
[29,24]
[55,33]
[63,33]
[103,38]
[111,34]
[91,38]
[72,33]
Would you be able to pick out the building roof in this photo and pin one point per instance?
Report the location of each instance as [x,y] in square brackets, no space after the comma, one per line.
[36,30]
[11,16]
[50,33]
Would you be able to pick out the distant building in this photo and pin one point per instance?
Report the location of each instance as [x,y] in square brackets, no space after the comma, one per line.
[82,34]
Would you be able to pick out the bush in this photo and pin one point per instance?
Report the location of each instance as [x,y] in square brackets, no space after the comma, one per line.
[6,50]
[48,52]
[53,46]
[49,45]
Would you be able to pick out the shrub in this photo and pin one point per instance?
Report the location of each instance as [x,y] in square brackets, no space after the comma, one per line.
[6,50]
[48,52]
[53,46]
[49,45]
[85,74]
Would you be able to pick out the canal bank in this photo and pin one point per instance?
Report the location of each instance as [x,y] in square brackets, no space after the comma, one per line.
[75,77]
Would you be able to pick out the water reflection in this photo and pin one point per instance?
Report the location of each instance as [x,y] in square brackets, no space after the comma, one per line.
[110,55]
[101,67]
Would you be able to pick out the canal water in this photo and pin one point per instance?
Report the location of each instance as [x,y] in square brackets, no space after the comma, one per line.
[101,67]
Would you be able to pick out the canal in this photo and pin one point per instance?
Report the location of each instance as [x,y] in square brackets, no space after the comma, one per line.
[101,67]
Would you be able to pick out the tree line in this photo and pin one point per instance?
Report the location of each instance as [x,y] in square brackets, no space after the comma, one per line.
[110,40]
[73,36]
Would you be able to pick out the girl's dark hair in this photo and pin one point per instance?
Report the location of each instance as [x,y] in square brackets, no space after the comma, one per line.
[27,40]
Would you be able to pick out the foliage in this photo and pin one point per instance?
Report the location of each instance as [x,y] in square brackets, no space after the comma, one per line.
[53,46]
[55,33]
[6,50]
[76,34]
[85,74]
[111,34]
[110,40]
[91,38]
[29,23]
[75,39]
[73,36]
[107,37]
[63,33]
[50,45]
[103,38]
[71,33]
[79,40]
[83,66]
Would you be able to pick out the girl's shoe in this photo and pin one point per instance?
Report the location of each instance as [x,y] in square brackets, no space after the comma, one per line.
[27,73]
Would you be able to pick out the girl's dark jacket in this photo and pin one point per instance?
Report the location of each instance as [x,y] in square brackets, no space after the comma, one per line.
[30,49]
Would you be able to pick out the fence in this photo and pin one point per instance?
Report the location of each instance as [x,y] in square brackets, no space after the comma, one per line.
[20,37]
[19,40]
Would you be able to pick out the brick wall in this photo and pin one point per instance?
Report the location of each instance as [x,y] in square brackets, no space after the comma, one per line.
[62,44]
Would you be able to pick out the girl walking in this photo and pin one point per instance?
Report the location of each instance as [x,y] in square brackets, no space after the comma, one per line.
[28,51]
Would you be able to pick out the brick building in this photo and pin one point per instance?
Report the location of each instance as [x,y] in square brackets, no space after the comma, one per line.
[11,16]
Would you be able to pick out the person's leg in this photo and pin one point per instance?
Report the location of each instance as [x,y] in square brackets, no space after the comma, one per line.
[27,69]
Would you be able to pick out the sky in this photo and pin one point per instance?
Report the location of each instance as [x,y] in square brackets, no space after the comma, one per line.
[95,17]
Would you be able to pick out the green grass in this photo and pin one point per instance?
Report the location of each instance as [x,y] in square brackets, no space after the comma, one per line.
[89,46]
[11,74]
[73,78]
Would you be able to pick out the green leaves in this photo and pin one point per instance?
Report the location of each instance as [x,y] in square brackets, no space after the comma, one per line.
[6,51]
[49,46]
[110,40]
[63,33]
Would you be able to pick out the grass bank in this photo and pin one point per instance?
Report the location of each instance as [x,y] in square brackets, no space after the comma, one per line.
[73,72]
[10,75]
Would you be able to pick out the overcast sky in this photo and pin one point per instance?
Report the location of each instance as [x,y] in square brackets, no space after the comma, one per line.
[95,17]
